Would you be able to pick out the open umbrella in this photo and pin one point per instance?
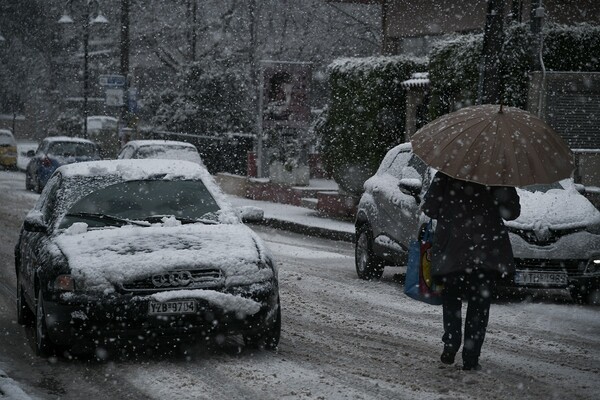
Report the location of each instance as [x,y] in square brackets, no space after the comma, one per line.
[494,145]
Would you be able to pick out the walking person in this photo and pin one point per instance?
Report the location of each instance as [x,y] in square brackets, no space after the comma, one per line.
[470,252]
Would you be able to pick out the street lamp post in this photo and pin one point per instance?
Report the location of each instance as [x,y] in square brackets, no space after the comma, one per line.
[87,12]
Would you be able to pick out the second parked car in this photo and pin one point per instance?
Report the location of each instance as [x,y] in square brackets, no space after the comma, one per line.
[54,152]
[555,240]
[161,149]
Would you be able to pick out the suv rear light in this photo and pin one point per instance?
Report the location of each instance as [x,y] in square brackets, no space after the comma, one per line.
[65,283]
[46,162]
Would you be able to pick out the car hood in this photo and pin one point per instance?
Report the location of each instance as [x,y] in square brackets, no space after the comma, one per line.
[556,209]
[102,259]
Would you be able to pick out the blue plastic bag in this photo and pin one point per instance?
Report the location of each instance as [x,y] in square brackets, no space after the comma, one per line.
[418,284]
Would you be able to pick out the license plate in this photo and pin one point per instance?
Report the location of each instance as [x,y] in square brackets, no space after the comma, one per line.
[540,278]
[172,307]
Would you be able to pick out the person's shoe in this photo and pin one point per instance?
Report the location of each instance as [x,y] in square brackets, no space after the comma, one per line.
[471,365]
[448,357]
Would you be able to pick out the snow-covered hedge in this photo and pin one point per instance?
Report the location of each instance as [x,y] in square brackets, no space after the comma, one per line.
[366,115]
[454,74]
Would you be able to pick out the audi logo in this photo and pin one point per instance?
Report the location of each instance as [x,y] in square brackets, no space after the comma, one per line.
[172,279]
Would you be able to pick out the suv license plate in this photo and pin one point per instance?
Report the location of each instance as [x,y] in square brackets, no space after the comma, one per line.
[541,278]
[172,307]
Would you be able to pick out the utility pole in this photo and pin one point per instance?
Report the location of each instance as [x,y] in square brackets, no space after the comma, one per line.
[490,79]
[125,56]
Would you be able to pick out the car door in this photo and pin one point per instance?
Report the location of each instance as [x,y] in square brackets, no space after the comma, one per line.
[34,245]
[402,212]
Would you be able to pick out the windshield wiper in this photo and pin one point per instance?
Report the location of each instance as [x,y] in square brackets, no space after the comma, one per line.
[183,220]
[107,218]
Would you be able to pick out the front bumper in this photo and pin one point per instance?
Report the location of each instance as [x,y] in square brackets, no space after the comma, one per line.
[553,274]
[77,317]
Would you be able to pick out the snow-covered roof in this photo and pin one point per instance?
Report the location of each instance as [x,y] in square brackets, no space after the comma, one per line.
[140,143]
[101,118]
[362,64]
[136,169]
[66,139]
[417,80]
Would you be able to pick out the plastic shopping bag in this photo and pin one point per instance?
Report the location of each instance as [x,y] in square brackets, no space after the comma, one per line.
[418,284]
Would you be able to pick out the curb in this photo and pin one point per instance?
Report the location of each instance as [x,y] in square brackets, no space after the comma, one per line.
[306,230]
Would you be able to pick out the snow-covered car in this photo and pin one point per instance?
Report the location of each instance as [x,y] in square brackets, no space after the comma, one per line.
[53,152]
[8,149]
[141,249]
[555,240]
[161,149]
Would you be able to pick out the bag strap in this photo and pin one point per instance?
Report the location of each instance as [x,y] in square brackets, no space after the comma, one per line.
[428,235]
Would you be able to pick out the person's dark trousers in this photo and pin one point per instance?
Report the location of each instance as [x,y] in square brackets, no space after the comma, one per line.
[477,288]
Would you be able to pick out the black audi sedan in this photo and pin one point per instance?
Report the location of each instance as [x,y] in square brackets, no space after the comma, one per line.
[145,249]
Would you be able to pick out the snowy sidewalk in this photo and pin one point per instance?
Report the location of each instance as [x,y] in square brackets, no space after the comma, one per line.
[299,219]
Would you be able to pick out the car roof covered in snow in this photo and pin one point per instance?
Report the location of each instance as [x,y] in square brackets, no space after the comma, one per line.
[66,139]
[141,143]
[129,169]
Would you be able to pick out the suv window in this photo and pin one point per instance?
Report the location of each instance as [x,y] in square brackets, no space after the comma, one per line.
[397,166]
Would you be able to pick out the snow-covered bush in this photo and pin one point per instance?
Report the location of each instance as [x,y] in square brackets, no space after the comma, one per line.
[366,115]
[454,73]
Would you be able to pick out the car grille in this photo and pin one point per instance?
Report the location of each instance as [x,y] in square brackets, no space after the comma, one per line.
[543,238]
[209,278]
[571,267]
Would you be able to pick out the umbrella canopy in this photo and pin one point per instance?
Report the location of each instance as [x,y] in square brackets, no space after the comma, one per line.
[494,145]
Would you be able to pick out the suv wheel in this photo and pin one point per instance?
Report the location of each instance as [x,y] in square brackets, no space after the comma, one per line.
[368,265]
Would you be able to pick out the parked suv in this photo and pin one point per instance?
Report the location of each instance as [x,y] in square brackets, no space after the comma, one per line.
[555,240]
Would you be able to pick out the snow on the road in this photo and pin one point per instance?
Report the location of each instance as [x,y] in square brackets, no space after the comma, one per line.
[10,390]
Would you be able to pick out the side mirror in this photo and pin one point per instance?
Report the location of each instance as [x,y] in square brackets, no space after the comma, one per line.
[30,153]
[580,188]
[410,186]
[251,214]
[35,223]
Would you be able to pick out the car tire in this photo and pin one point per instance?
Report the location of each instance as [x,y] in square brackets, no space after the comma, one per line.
[269,338]
[28,185]
[368,265]
[43,345]
[24,314]
[37,186]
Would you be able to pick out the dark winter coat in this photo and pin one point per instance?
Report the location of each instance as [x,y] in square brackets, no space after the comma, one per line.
[470,232]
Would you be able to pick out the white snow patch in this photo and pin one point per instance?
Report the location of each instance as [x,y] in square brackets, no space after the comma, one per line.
[10,390]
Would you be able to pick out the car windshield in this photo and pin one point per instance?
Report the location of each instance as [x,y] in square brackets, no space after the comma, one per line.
[149,200]
[72,149]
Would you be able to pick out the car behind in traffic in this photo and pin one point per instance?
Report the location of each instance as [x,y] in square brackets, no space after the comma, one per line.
[141,249]
[8,150]
[555,240]
[160,149]
[52,153]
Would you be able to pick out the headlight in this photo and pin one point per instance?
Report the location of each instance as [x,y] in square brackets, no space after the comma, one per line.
[65,283]
[593,265]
